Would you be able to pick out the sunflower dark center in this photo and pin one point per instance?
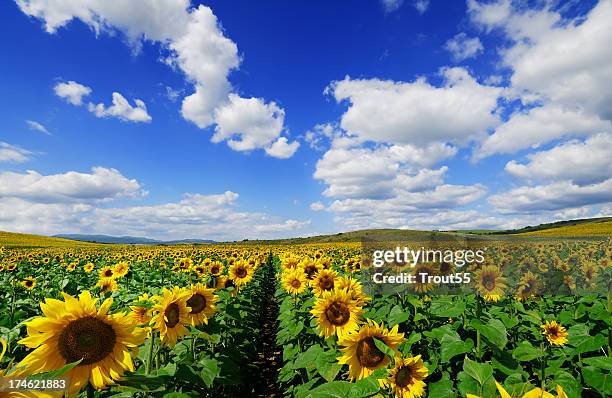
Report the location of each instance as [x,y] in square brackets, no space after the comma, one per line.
[326,282]
[108,273]
[337,313]
[172,315]
[241,272]
[214,270]
[88,338]
[488,281]
[29,283]
[310,271]
[197,302]
[368,354]
[404,376]
[553,331]
[296,284]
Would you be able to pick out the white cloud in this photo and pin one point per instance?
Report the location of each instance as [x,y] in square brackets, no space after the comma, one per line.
[563,65]
[391,5]
[552,197]
[72,92]
[194,216]
[12,153]
[421,5]
[282,149]
[317,206]
[193,37]
[538,126]
[418,113]
[102,184]
[33,125]
[581,162]
[250,123]
[122,109]
[463,47]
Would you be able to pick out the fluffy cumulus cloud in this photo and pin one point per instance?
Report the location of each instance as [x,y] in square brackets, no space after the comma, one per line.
[122,109]
[563,66]
[282,148]
[248,123]
[580,162]
[13,153]
[463,47]
[72,92]
[99,185]
[418,112]
[194,40]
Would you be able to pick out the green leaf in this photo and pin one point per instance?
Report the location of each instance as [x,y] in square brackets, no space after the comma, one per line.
[445,307]
[55,374]
[334,389]
[597,379]
[599,362]
[526,352]
[307,359]
[388,351]
[442,389]
[494,331]
[397,315]
[365,388]
[481,372]
[452,345]
[327,365]
[210,370]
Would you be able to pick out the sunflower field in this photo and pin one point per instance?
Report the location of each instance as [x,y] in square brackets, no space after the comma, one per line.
[269,320]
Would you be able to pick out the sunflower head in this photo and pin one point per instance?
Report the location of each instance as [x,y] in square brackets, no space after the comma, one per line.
[554,333]
[76,330]
[171,315]
[406,377]
[294,281]
[88,267]
[489,282]
[106,273]
[336,313]
[107,285]
[216,268]
[29,283]
[422,272]
[241,273]
[310,268]
[323,281]
[202,304]
[360,351]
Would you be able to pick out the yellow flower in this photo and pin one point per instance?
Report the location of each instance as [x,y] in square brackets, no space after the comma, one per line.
[490,283]
[29,283]
[73,330]
[107,285]
[406,377]
[88,267]
[216,268]
[336,313]
[202,304]
[142,313]
[241,273]
[323,281]
[121,269]
[294,281]
[106,273]
[554,333]
[535,393]
[360,352]
[172,314]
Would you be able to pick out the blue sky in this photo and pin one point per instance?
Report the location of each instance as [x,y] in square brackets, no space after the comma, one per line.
[288,119]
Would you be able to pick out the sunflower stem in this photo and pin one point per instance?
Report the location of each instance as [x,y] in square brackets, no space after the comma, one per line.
[543,365]
[90,391]
[150,353]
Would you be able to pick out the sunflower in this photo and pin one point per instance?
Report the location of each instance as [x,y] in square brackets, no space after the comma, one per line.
[88,267]
[535,393]
[421,273]
[336,313]
[106,272]
[354,288]
[121,269]
[406,377]
[172,314]
[323,281]
[294,281]
[29,283]
[141,311]
[528,286]
[310,268]
[241,273]
[107,285]
[74,330]
[216,268]
[360,351]
[72,266]
[202,305]
[554,333]
[490,283]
